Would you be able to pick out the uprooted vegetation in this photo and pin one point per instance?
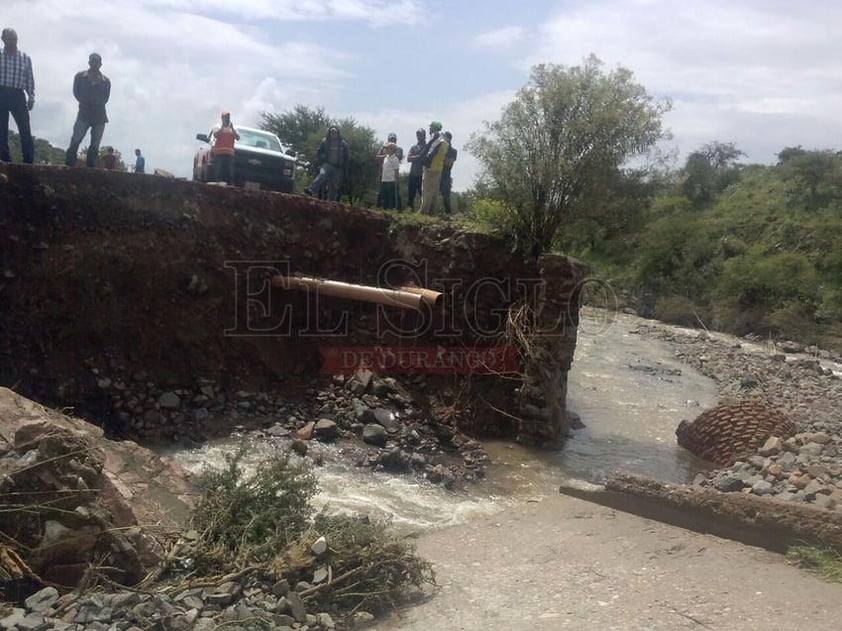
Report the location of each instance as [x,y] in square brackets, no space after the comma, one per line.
[263,524]
[251,532]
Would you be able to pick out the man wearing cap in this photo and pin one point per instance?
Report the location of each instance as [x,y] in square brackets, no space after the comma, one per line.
[381,156]
[17,96]
[92,90]
[434,155]
[223,148]
[446,173]
[416,166]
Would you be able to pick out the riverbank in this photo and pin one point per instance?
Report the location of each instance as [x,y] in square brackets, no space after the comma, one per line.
[562,562]
[802,382]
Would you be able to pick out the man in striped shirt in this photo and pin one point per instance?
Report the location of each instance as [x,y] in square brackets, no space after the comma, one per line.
[15,79]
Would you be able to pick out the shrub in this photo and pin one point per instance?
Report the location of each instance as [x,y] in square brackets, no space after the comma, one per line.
[244,519]
[678,310]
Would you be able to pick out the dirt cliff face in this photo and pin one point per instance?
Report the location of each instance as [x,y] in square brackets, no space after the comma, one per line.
[122,281]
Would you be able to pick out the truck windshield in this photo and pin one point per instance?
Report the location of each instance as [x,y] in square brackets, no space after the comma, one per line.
[259,140]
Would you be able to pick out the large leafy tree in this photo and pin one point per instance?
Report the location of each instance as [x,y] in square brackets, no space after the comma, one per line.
[709,171]
[296,127]
[814,178]
[567,128]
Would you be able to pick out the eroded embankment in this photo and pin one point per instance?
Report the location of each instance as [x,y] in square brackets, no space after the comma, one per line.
[143,303]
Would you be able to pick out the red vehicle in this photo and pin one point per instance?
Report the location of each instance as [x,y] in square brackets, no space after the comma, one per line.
[260,161]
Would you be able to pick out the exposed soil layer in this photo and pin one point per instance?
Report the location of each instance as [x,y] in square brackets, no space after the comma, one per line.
[143,303]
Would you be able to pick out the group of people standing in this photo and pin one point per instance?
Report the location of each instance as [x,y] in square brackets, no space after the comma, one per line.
[431,163]
[91,88]
[430,170]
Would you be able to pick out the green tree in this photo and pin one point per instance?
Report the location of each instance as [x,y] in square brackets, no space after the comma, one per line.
[566,128]
[45,153]
[709,171]
[813,177]
[296,127]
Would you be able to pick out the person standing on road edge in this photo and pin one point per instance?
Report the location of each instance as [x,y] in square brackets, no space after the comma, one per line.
[109,160]
[381,156]
[416,167]
[333,157]
[446,177]
[17,96]
[434,155]
[223,148]
[92,90]
[389,179]
[139,162]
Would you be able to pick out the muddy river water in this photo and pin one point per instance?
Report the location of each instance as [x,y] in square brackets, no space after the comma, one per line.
[630,392]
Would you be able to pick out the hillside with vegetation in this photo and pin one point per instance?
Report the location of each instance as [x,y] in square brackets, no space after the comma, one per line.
[735,247]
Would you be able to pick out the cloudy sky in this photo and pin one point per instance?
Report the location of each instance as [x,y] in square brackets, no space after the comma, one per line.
[762,73]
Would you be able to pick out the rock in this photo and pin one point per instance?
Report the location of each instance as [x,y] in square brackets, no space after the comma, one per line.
[281,588]
[374,434]
[775,470]
[299,447]
[320,575]
[817,470]
[306,432]
[762,487]
[362,412]
[42,600]
[819,437]
[326,430]
[11,621]
[169,401]
[386,418]
[811,449]
[728,484]
[772,447]
[319,546]
[360,382]
[297,608]
[814,487]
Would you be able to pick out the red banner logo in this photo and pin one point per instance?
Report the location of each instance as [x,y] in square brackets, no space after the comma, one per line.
[434,360]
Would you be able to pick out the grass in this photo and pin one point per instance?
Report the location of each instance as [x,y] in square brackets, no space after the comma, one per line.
[823,562]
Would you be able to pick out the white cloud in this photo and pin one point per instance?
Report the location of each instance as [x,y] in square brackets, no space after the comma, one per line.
[761,73]
[501,38]
[171,73]
[374,12]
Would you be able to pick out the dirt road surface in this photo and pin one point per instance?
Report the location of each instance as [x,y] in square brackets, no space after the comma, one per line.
[564,563]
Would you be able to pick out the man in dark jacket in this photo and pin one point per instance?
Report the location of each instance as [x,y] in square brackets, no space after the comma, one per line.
[333,156]
[416,166]
[92,89]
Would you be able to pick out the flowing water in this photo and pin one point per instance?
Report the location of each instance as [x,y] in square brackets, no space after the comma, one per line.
[630,392]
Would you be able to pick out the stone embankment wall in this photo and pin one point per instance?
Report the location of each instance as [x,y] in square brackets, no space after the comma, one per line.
[144,302]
